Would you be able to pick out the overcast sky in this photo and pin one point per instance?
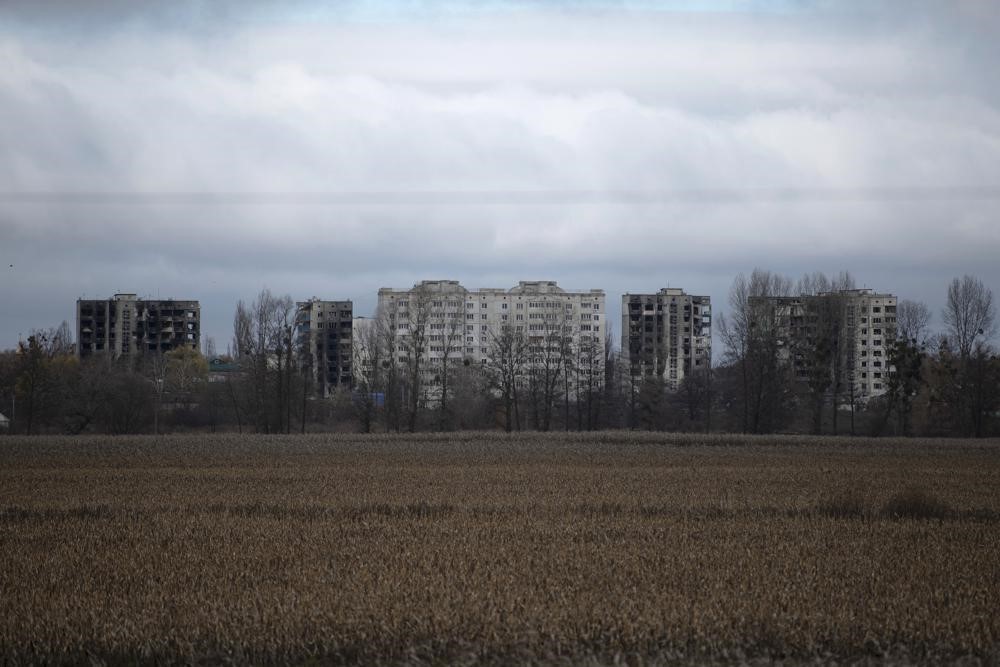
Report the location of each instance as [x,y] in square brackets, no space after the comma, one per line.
[206,150]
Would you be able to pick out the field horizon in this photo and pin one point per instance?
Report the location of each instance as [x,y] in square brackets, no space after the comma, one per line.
[489,548]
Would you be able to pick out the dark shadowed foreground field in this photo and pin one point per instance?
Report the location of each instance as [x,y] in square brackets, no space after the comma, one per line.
[482,548]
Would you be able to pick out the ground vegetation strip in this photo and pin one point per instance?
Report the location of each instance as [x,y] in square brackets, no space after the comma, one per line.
[487,548]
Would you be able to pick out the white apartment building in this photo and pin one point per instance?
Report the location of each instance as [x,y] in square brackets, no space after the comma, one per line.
[869,321]
[872,317]
[448,320]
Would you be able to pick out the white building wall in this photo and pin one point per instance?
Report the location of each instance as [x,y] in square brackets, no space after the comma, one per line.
[875,334]
[465,321]
[871,316]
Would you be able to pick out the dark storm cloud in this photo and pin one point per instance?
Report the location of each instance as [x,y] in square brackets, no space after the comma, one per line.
[207,150]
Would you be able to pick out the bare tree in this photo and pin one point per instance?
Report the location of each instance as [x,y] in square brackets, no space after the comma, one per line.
[32,380]
[368,357]
[812,284]
[262,341]
[590,380]
[612,409]
[505,367]
[695,396]
[473,401]
[58,341]
[969,315]
[186,370]
[569,351]
[174,375]
[156,373]
[823,342]
[415,320]
[449,320]
[90,394]
[286,313]
[912,321]
[250,345]
[631,380]
[42,373]
[906,357]
[394,359]
[548,353]
[752,335]
[309,360]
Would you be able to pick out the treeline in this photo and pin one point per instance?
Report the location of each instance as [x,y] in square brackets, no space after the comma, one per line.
[47,389]
[934,384]
[764,380]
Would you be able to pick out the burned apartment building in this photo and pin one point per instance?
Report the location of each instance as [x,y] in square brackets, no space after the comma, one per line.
[324,339]
[126,325]
[852,332]
[666,335]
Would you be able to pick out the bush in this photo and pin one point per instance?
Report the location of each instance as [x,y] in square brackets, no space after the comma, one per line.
[915,503]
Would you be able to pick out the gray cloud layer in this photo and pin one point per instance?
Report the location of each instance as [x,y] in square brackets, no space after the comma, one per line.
[883,124]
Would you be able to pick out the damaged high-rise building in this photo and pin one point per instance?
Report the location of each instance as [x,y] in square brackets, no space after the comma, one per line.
[126,325]
[324,338]
[666,335]
[851,332]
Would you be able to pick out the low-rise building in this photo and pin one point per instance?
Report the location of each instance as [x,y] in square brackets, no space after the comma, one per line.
[222,370]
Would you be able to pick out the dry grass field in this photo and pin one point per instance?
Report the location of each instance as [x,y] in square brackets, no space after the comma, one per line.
[480,548]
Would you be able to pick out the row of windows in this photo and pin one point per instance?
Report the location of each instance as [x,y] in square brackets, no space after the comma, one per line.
[433,338]
[404,303]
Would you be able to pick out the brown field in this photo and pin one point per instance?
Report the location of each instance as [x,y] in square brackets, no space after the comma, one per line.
[480,548]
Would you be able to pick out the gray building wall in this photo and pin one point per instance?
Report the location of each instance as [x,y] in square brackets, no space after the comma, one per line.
[667,334]
[324,337]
